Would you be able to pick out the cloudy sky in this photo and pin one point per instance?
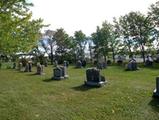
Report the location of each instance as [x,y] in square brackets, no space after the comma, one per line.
[85,15]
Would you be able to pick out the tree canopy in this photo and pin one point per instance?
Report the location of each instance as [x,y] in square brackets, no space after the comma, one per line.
[18,31]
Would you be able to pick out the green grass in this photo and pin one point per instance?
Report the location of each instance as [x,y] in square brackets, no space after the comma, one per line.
[127,96]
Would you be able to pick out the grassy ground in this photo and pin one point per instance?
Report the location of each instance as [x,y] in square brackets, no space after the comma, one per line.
[127,96]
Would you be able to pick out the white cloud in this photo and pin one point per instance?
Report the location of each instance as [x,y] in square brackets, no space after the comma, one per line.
[84,15]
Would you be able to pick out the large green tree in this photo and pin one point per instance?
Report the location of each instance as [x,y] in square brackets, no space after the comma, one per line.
[137,32]
[80,43]
[101,39]
[63,44]
[154,15]
[18,32]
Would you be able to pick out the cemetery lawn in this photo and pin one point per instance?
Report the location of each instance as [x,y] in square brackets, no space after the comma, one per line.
[127,96]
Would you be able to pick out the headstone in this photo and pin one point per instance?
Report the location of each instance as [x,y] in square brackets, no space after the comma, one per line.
[99,66]
[79,64]
[56,63]
[64,71]
[65,63]
[94,78]
[109,62]
[14,65]
[84,63]
[132,65]
[104,65]
[0,65]
[20,67]
[60,73]
[149,61]
[156,91]
[120,60]
[30,66]
[157,58]
[26,67]
[40,69]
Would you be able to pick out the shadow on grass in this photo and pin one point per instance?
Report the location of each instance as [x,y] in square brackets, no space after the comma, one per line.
[83,88]
[51,80]
[154,103]
[32,74]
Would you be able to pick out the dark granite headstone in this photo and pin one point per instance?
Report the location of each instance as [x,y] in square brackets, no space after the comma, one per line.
[94,78]
[120,60]
[14,65]
[84,63]
[79,64]
[132,65]
[0,65]
[156,91]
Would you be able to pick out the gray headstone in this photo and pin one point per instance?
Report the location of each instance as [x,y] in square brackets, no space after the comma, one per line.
[26,68]
[64,71]
[132,65]
[30,66]
[40,69]
[20,67]
[58,73]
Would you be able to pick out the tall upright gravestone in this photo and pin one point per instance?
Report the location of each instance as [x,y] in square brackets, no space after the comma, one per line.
[40,69]
[20,67]
[26,68]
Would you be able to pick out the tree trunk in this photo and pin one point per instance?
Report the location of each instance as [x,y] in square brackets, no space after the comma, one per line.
[90,52]
[105,58]
[52,57]
[143,52]
[113,55]
[131,54]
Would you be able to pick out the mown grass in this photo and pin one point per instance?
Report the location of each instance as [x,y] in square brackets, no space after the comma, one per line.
[127,96]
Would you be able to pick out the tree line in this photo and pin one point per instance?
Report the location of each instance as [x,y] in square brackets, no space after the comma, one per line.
[130,34]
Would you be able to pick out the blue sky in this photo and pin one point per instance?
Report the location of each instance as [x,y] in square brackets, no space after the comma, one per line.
[85,15]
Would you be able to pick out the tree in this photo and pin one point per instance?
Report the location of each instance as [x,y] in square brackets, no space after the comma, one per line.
[136,30]
[18,33]
[122,28]
[80,43]
[101,40]
[51,42]
[154,15]
[63,44]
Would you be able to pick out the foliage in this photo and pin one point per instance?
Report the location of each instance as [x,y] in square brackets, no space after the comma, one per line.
[63,44]
[137,31]
[18,33]
[80,44]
